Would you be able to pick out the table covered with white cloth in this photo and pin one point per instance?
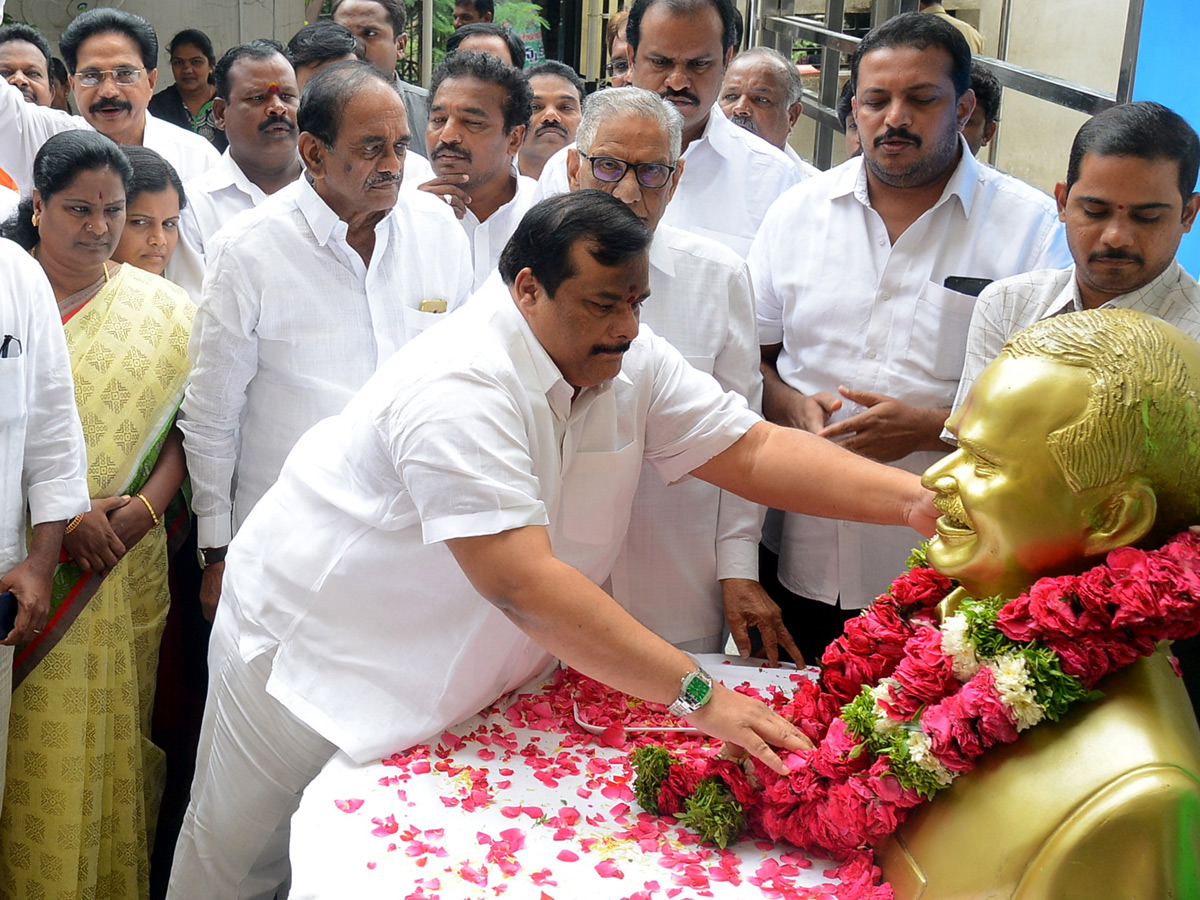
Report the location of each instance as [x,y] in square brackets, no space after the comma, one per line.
[523,801]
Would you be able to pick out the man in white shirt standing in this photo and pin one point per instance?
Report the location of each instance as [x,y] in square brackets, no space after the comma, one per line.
[680,49]
[306,295]
[431,547]
[43,464]
[477,119]
[864,334]
[1128,200]
[558,95]
[255,105]
[689,562]
[112,56]
[761,93]
[25,62]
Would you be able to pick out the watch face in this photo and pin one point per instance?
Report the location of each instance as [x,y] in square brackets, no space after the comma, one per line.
[697,690]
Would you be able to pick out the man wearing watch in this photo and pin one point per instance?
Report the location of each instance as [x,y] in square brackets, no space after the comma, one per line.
[457,519]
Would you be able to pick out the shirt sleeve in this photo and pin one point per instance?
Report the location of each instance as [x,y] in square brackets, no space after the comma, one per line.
[768,305]
[25,127]
[465,457]
[224,352]
[739,521]
[985,339]
[55,461]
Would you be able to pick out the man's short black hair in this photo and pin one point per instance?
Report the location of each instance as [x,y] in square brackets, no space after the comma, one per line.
[919,31]
[559,70]
[259,48]
[845,103]
[731,20]
[19,31]
[1144,130]
[482,7]
[197,39]
[518,97]
[328,94]
[109,21]
[516,46]
[397,13]
[987,92]
[543,241]
[322,41]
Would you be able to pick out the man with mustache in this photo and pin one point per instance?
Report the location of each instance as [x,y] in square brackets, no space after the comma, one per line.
[112,56]
[307,294]
[761,93]
[25,62]
[865,278]
[680,50]
[477,119]
[558,94]
[255,105]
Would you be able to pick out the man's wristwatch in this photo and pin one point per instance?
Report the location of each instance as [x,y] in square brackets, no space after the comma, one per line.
[208,556]
[695,690]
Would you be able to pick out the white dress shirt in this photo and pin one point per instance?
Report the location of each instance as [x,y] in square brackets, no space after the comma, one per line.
[804,169]
[683,538]
[851,308]
[291,324]
[42,454]
[731,178]
[24,127]
[489,237]
[1007,306]
[214,198]
[380,640]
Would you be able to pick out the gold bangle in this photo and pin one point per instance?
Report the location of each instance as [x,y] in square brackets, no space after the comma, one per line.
[153,514]
[73,524]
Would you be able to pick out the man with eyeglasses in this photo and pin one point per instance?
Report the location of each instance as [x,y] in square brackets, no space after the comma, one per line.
[112,57]
[680,50]
[689,563]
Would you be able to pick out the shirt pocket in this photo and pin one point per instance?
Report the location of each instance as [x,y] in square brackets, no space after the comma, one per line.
[597,493]
[938,340]
[12,390]
[416,321]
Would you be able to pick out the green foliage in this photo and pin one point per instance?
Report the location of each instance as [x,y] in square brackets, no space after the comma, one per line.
[1056,691]
[981,618]
[907,772]
[712,813]
[859,715]
[650,765]
[917,559]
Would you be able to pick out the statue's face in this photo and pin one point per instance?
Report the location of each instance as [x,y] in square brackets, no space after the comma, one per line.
[1008,515]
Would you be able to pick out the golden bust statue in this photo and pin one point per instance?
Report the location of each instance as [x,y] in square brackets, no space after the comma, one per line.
[1081,437]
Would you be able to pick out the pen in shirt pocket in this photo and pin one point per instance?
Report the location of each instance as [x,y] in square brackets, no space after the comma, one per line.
[10,347]
[433,306]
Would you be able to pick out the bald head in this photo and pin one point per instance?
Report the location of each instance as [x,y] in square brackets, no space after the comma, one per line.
[761,93]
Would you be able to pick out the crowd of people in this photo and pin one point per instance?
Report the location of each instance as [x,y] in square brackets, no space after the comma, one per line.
[214,302]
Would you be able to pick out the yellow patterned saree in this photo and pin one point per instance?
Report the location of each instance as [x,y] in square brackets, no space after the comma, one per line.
[84,780]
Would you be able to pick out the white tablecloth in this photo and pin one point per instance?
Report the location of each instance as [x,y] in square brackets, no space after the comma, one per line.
[497,810]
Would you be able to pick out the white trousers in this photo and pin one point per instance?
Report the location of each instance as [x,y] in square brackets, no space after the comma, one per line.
[254,761]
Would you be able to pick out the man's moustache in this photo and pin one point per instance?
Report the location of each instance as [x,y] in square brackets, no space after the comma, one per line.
[278,120]
[1116,254]
[454,152]
[542,129]
[101,105]
[28,94]
[744,122]
[681,95]
[611,348]
[897,134]
[384,178]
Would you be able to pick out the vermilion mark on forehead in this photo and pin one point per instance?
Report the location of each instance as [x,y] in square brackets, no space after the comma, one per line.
[273,88]
[1119,206]
[633,294]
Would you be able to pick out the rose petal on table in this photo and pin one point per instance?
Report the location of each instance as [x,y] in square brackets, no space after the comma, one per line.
[568,855]
[348,806]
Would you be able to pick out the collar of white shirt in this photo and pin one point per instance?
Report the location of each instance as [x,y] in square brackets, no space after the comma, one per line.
[227,173]
[852,179]
[323,221]
[661,257]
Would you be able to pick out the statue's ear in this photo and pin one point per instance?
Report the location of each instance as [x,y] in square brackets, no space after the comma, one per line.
[1123,515]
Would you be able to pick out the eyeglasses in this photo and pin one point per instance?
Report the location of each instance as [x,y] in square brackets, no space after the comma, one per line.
[617,67]
[121,75]
[611,170]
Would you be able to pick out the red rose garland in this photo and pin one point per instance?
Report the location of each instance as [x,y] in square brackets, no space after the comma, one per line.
[905,705]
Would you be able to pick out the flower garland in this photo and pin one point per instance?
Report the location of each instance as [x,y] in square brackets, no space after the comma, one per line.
[904,706]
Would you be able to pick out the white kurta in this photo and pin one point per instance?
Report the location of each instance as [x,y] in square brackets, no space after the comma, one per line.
[489,237]
[24,127]
[380,640]
[851,308]
[730,179]
[291,324]
[684,537]
[1007,306]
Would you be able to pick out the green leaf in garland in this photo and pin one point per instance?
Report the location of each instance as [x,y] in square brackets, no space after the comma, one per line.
[1056,691]
[917,559]
[907,772]
[712,813]
[859,715]
[981,618]
[650,765]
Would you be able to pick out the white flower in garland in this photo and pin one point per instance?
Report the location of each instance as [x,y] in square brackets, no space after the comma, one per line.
[957,644]
[1016,690]
[920,751]
[884,724]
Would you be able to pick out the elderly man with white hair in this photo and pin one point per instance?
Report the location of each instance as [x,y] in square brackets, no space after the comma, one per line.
[689,563]
[761,93]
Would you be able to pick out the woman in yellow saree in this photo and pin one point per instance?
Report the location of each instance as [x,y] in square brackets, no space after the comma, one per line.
[84,779]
